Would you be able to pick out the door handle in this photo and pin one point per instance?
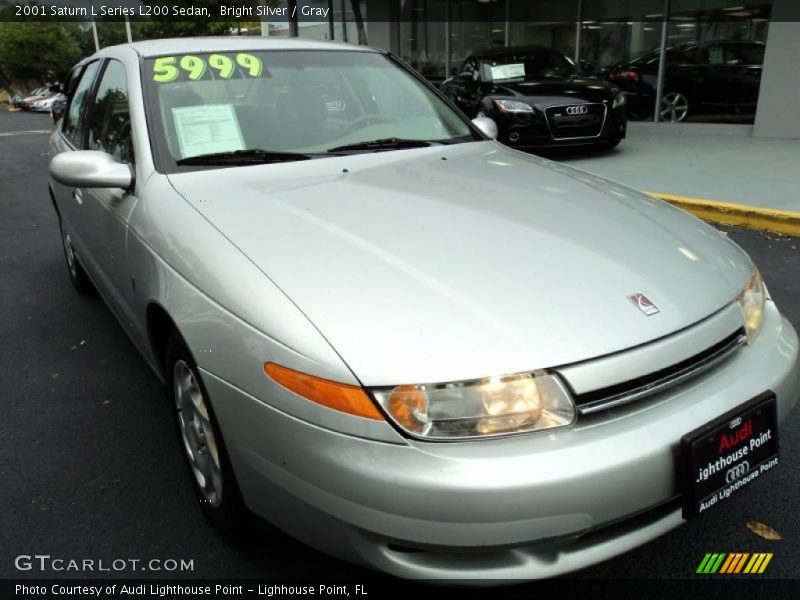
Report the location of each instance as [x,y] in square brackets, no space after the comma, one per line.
[78,196]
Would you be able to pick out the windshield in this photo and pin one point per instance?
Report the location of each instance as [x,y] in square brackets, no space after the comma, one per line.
[299,102]
[652,56]
[539,64]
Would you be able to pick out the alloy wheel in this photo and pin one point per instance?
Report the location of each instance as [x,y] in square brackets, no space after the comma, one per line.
[70,254]
[197,433]
[674,107]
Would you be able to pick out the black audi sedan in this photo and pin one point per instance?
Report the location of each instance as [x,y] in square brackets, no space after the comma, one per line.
[720,77]
[539,98]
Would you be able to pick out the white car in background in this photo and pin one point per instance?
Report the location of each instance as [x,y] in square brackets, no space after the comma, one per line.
[46,104]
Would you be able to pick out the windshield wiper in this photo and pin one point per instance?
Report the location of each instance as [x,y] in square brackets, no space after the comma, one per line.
[243,157]
[391,143]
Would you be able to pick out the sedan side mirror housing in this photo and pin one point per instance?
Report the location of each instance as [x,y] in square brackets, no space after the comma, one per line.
[58,108]
[90,169]
[589,68]
[486,125]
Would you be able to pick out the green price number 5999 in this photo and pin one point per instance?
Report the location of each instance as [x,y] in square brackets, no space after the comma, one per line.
[168,68]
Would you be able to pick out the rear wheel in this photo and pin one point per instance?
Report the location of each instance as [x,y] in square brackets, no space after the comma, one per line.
[674,107]
[212,476]
[77,275]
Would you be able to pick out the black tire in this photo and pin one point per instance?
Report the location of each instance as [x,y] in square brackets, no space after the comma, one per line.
[225,509]
[80,280]
[608,145]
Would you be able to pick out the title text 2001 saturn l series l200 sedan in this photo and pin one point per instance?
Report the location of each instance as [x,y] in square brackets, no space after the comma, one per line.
[393,337]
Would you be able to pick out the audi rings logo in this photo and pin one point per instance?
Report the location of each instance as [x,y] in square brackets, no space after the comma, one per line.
[577,110]
[737,471]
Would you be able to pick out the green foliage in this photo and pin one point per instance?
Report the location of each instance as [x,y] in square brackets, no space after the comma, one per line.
[37,50]
[45,50]
[167,28]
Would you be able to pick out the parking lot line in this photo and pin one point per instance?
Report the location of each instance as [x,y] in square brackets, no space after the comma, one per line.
[741,215]
[7,133]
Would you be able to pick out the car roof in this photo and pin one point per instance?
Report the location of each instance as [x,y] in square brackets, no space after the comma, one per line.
[688,45]
[161,47]
[510,50]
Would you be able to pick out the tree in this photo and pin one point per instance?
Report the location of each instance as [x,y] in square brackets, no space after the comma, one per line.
[186,27]
[198,26]
[45,50]
[41,50]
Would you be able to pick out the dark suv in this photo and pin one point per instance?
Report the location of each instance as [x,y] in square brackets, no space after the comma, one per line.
[700,78]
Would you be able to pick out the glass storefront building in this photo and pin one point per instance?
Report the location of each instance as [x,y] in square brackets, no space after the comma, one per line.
[720,42]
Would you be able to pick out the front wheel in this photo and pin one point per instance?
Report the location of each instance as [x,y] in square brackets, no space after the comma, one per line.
[80,280]
[212,476]
[674,107]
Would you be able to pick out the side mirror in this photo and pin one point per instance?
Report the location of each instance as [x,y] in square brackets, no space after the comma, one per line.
[55,88]
[90,169]
[486,125]
[59,105]
[589,68]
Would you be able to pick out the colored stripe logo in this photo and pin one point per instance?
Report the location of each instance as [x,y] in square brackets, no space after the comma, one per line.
[732,563]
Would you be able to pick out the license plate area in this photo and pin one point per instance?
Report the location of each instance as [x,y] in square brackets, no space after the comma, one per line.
[729,453]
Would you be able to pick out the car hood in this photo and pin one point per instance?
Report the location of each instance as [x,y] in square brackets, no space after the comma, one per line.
[545,92]
[463,261]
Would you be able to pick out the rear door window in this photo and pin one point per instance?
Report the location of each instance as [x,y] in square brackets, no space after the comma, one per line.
[108,119]
[683,57]
[753,54]
[711,55]
[72,80]
[73,127]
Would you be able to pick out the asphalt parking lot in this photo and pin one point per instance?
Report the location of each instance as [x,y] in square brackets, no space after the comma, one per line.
[89,461]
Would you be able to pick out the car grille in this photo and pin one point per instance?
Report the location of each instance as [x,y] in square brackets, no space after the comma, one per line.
[636,389]
[564,126]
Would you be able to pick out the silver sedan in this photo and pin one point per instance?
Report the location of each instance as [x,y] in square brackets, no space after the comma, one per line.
[396,339]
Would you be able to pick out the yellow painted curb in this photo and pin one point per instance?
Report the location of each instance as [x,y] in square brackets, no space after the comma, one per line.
[741,215]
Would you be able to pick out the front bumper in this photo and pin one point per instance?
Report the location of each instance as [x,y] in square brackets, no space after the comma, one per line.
[516,508]
[528,131]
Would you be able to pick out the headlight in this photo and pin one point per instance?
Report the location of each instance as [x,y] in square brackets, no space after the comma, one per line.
[619,100]
[480,408]
[752,301]
[513,106]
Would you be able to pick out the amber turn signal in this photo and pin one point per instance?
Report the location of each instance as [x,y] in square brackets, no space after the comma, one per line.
[408,405]
[338,396]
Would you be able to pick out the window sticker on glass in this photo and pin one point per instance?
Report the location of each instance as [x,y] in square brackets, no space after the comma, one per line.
[206,129]
[508,71]
[189,67]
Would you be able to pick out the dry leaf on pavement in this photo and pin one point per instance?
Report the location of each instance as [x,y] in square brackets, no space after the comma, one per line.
[764,531]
